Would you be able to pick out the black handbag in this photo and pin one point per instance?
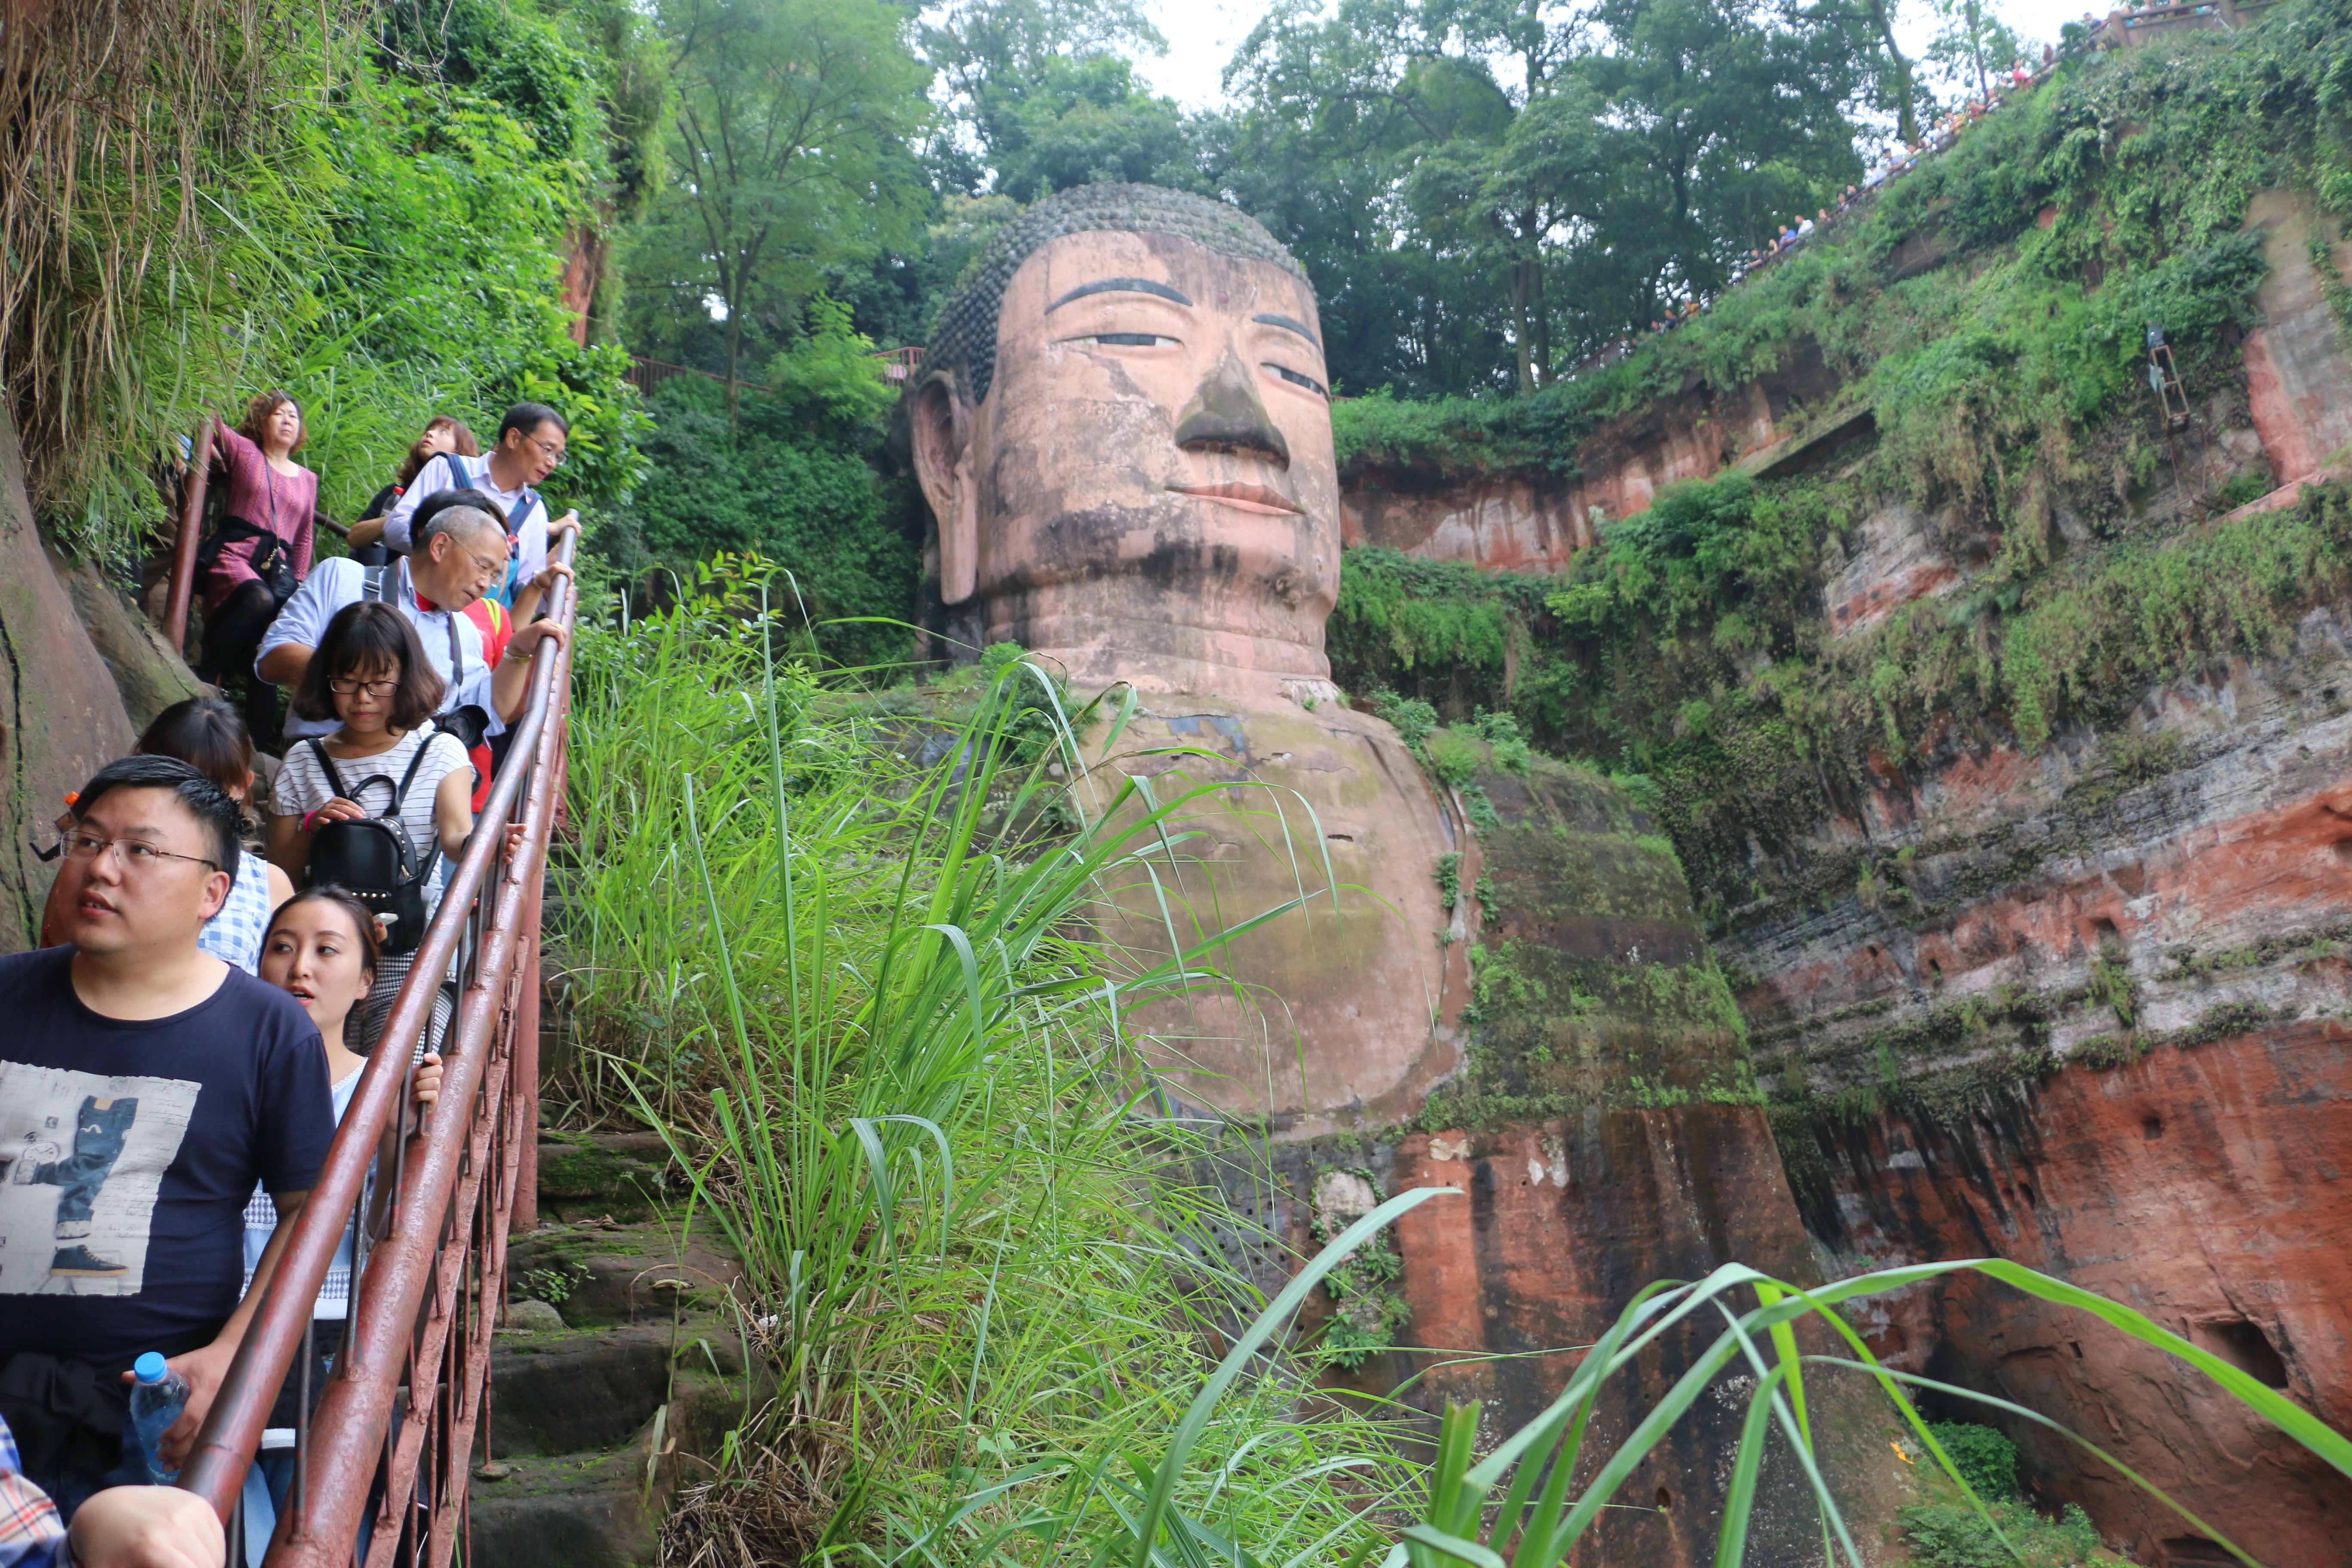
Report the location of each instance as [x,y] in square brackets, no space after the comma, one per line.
[268,561]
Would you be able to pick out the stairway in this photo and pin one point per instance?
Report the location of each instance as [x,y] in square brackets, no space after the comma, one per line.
[619,1369]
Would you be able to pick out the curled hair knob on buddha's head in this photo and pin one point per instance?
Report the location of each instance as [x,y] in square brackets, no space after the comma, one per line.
[965,342]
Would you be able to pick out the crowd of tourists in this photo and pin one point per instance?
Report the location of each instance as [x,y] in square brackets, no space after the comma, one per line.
[220,951]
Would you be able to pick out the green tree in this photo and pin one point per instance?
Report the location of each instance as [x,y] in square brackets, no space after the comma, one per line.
[1042,96]
[1338,106]
[790,154]
[1567,173]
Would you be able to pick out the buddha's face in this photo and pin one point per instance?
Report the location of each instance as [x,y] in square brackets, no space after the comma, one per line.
[1147,492]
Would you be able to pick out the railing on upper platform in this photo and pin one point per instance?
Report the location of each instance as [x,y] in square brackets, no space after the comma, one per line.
[644,374]
[391,1446]
[2128,29]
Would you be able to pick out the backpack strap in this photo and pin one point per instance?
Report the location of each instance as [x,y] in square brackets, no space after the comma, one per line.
[399,791]
[372,587]
[414,762]
[230,530]
[335,779]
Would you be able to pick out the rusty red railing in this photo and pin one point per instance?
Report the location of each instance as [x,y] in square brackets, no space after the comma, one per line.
[391,1446]
[644,374]
[183,547]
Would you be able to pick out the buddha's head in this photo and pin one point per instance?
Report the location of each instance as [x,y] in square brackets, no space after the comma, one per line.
[1123,428]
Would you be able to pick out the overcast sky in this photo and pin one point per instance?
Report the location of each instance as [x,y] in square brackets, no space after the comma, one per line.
[1203,33]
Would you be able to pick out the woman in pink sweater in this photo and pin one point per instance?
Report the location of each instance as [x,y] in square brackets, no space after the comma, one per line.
[266,487]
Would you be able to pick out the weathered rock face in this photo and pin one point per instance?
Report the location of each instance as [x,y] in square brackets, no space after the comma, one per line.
[2113,1015]
[1537,522]
[147,674]
[1512,522]
[1601,1134]
[2299,382]
[2202,1186]
[2084,1008]
[61,717]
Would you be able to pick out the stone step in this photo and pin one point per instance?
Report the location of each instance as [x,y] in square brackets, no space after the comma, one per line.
[621,1175]
[622,1357]
[604,1271]
[598,1509]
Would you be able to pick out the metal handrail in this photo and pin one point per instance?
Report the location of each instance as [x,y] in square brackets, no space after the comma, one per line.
[183,548]
[409,1313]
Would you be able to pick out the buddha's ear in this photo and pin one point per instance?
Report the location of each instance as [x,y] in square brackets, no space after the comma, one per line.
[942,430]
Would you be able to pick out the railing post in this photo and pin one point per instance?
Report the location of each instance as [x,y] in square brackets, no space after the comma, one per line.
[523,1085]
[183,548]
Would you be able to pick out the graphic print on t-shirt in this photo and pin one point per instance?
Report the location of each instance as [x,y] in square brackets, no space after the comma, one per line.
[81,1159]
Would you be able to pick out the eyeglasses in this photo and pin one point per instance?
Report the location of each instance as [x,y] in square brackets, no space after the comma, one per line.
[547,448]
[377,689]
[134,854]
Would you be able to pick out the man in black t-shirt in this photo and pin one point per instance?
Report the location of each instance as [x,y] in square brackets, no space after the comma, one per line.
[145,1089]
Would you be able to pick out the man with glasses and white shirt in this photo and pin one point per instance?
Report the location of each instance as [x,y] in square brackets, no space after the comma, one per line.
[460,554]
[530,446]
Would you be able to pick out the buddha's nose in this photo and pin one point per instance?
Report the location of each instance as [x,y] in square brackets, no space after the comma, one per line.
[1225,415]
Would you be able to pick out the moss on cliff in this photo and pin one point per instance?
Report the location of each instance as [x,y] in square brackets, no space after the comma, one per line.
[1589,986]
[1987,315]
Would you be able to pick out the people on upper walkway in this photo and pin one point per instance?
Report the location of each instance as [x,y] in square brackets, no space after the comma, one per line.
[531,446]
[146,1088]
[260,549]
[460,552]
[443,433]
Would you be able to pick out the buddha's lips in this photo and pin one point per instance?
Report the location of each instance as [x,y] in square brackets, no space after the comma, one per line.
[1249,498]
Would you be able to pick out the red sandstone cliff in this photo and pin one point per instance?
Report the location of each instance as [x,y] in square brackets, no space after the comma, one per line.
[2106,991]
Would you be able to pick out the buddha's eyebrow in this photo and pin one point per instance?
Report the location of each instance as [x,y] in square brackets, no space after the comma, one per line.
[1298,327]
[1117,285]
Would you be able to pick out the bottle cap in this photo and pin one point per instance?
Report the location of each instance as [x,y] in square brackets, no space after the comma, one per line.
[150,1368]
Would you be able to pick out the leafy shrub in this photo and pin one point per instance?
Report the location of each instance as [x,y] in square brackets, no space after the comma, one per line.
[807,502]
[1415,719]
[1983,1455]
[1948,1535]
[1501,733]
[1454,756]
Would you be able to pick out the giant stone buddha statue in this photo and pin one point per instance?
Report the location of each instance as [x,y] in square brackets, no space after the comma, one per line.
[1123,429]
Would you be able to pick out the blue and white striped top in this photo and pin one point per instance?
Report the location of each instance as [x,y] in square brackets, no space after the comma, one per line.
[233,935]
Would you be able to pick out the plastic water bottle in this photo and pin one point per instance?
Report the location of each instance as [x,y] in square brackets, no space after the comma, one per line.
[158,1394]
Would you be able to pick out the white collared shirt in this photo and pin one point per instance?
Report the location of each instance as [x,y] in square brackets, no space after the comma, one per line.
[334,583]
[448,471]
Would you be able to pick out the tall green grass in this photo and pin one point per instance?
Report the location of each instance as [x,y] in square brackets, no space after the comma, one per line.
[1529,1498]
[841,960]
